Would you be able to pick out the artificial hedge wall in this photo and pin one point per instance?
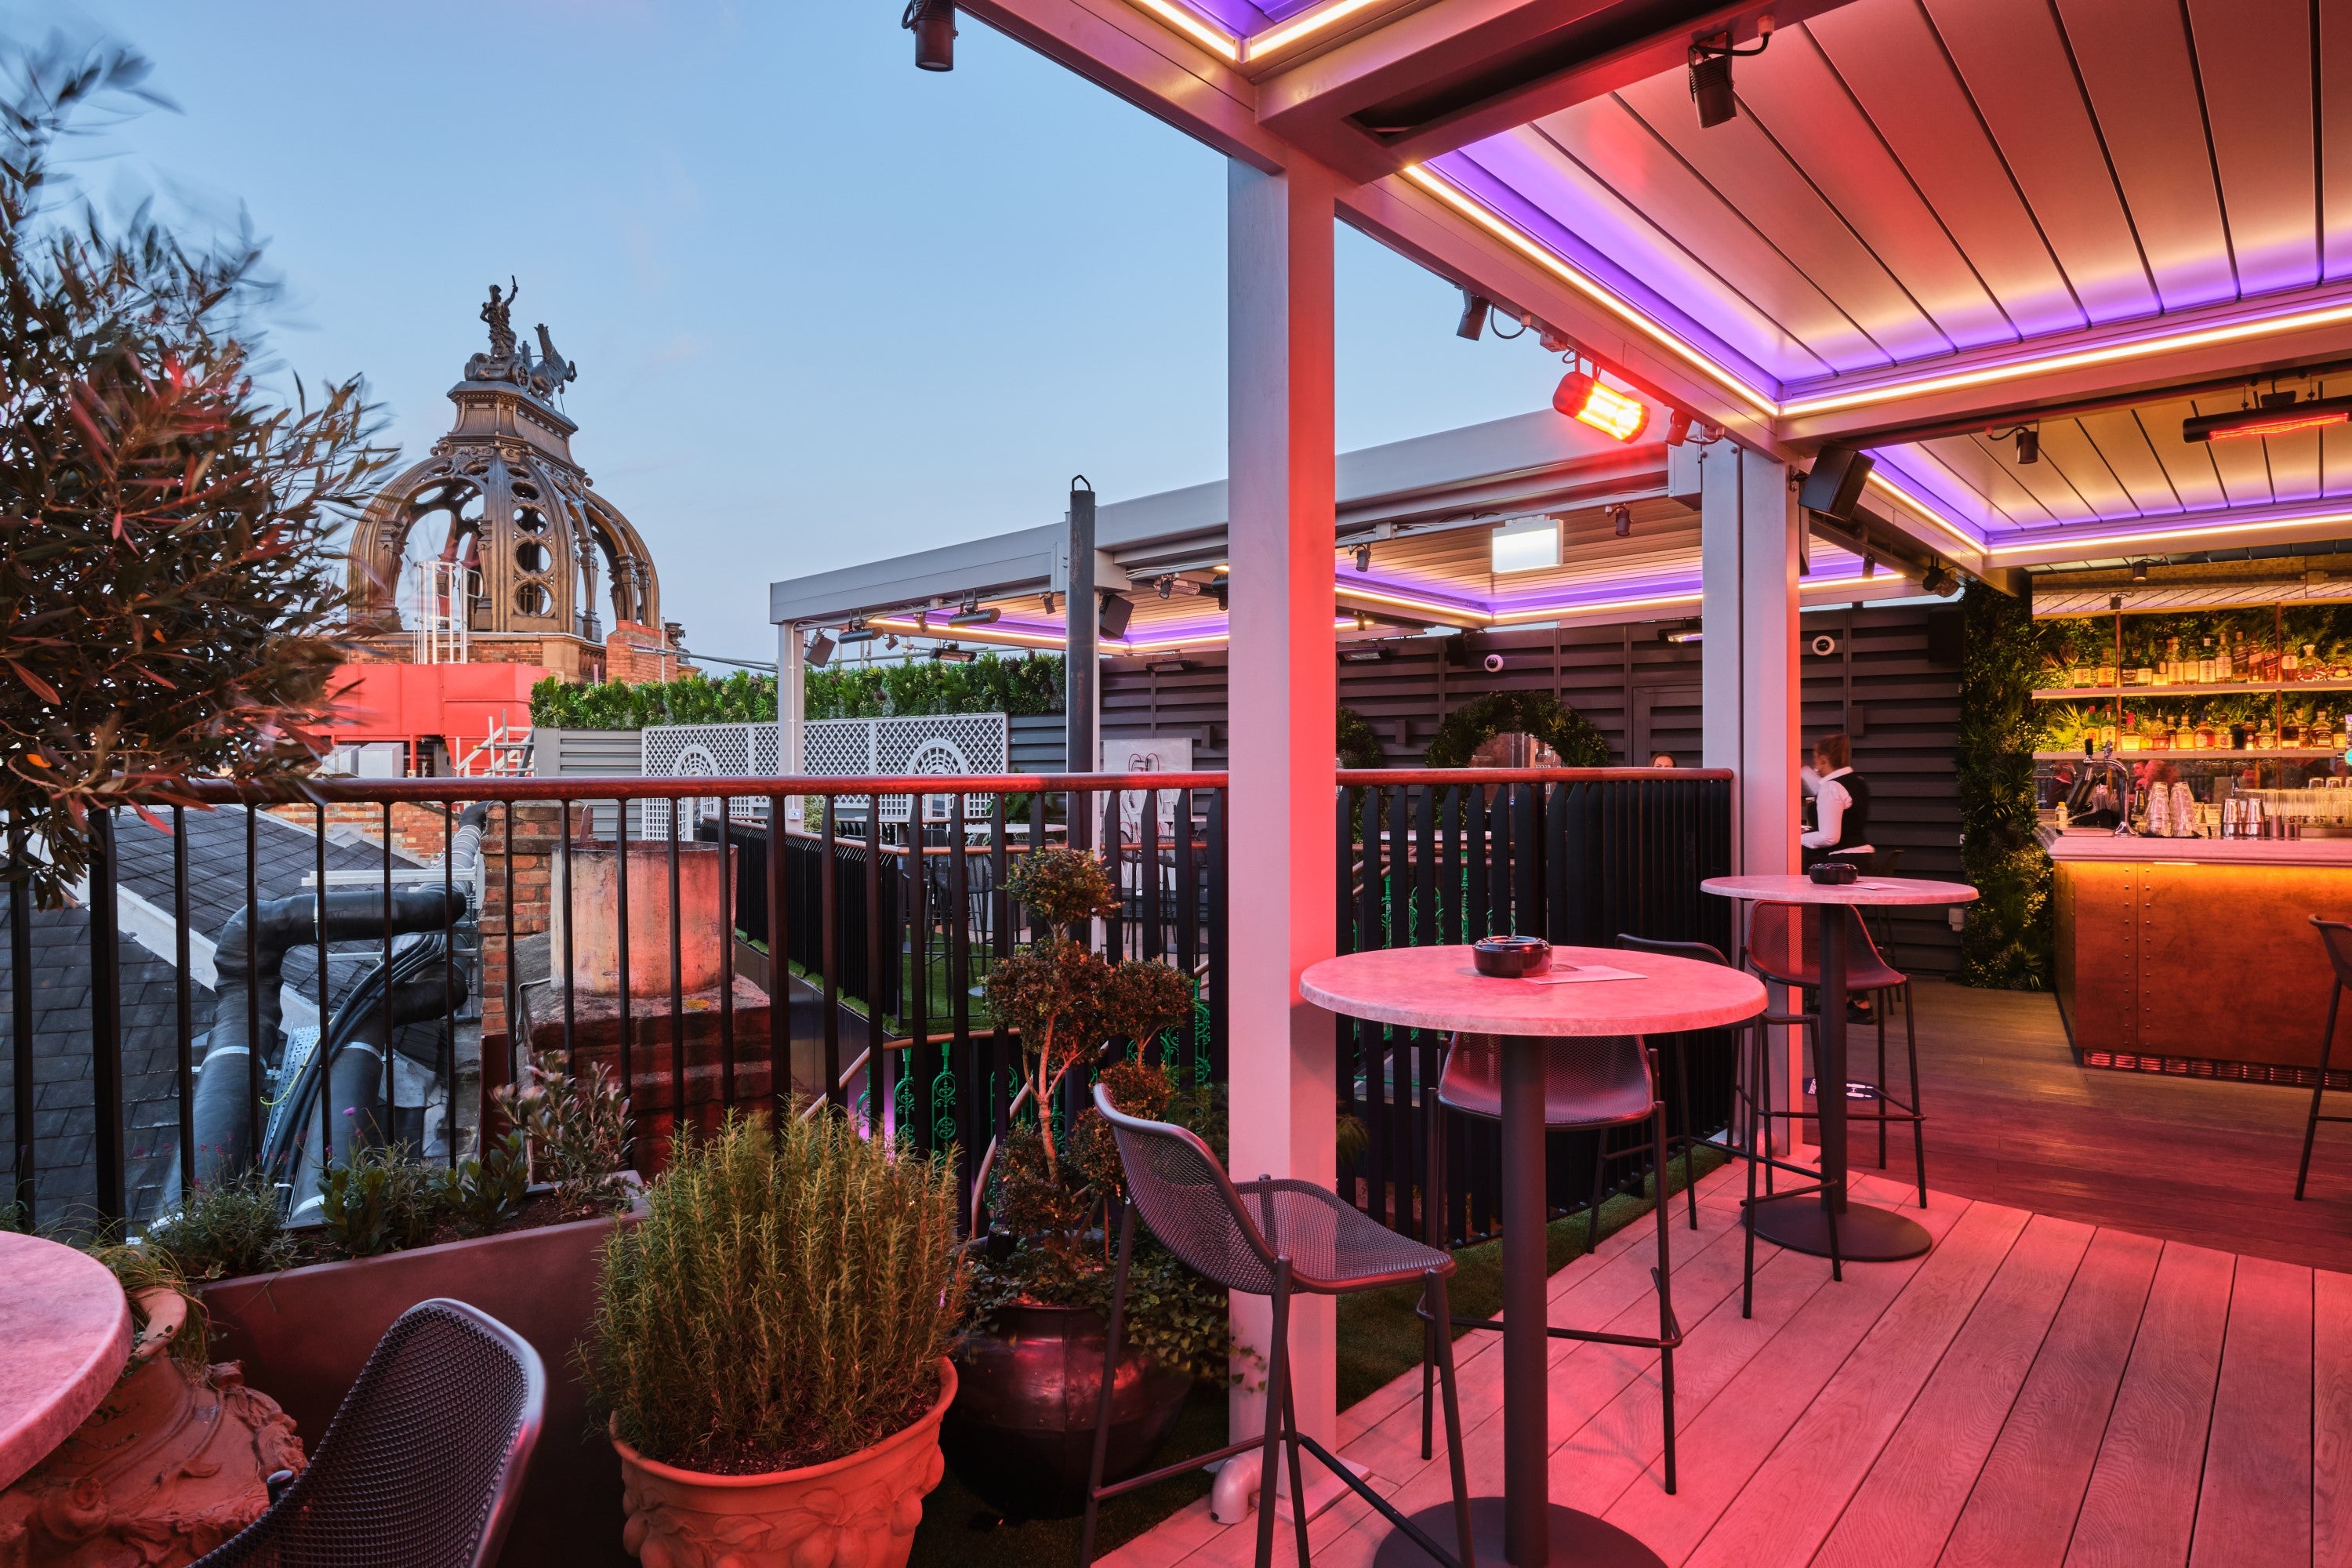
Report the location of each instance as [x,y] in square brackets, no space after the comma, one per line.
[987,685]
[2007,941]
[1575,738]
[1358,746]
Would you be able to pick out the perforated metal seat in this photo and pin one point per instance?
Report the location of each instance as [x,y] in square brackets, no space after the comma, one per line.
[423,1463]
[1273,1237]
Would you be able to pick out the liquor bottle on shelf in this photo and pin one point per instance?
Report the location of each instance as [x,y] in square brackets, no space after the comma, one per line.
[2290,732]
[2266,737]
[2205,664]
[2311,668]
[2223,663]
[2290,666]
[2205,734]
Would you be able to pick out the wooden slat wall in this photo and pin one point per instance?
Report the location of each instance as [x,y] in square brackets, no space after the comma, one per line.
[1644,695]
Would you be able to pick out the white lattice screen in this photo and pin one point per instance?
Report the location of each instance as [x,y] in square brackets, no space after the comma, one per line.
[706,750]
[941,743]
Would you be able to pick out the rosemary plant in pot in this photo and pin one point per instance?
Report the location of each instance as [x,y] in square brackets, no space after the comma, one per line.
[1022,1432]
[770,1342]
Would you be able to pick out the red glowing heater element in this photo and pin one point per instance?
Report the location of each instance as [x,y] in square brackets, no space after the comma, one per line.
[1582,397]
[2278,413]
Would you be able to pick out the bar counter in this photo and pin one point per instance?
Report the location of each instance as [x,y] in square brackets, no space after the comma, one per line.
[2199,950]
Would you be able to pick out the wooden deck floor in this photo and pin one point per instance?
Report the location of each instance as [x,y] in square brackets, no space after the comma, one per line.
[2036,1390]
[2012,1119]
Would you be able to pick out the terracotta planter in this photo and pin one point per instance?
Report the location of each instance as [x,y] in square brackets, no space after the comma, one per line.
[855,1512]
[304,1334]
[1023,1435]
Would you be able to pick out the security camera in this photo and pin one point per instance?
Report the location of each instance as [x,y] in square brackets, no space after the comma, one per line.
[1826,645]
[1493,664]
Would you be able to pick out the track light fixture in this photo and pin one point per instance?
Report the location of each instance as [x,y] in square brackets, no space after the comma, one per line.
[1116,612]
[2029,441]
[1622,515]
[1363,558]
[1678,426]
[1710,73]
[933,22]
[2276,413]
[1583,398]
[1474,316]
[974,616]
[1166,587]
[2140,571]
[954,654]
[1937,579]
[856,631]
[1046,599]
[820,650]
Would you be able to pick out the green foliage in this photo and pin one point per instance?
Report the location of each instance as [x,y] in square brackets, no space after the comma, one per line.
[1063,887]
[993,683]
[577,1132]
[784,1300]
[1062,1252]
[741,698]
[2007,941]
[381,1202]
[171,588]
[1358,747]
[1576,740]
[228,1228]
[484,1192]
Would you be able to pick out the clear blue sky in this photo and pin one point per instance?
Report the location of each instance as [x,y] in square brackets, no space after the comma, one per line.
[825,306]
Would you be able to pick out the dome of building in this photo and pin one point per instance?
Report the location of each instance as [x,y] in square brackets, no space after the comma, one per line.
[497,544]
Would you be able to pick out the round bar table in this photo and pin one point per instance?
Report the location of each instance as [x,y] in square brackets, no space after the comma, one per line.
[1866,1234]
[68,1330]
[1438,988]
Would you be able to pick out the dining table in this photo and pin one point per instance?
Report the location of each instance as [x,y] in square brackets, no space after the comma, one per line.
[1585,991]
[1863,1233]
[66,1324]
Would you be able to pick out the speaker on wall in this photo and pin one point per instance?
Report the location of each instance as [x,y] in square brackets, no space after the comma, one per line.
[1835,483]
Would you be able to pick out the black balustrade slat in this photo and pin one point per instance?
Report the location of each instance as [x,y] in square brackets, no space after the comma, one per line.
[1372,1038]
[877,1046]
[1344,926]
[779,934]
[326,1100]
[918,1016]
[998,1084]
[1449,867]
[621,929]
[184,1003]
[1477,921]
[1187,912]
[828,925]
[1424,865]
[675,819]
[727,957]
[252,981]
[964,1079]
[563,977]
[1219,934]
[1147,872]
[388,1132]
[20,1018]
[106,1014]
[1396,1121]
[1557,899]
[1115,853]
[444,1056]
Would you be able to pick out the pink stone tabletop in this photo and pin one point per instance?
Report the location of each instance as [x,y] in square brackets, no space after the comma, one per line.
[66,1328]
[1438,988]
[1868,890]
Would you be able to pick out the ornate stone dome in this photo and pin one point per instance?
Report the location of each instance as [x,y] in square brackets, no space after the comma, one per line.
[503,497]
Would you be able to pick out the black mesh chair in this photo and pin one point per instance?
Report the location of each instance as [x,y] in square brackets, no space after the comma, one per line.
[2335,937]
[1267,1238]
[1751,1108]
[422,1464]
[1592,1083]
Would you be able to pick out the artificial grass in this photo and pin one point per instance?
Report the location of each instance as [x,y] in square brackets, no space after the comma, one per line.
[1379,1338]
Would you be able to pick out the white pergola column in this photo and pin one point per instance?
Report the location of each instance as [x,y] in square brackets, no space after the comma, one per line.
[1749,523]
[791,699]
[1283,1094]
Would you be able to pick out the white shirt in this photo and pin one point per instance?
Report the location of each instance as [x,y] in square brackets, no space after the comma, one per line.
[1831,799]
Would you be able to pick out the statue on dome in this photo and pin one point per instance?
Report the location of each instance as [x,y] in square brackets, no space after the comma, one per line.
[499,314]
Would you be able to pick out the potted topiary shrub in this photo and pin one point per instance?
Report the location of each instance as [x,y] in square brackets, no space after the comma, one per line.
[770,1346]
[1022,1434]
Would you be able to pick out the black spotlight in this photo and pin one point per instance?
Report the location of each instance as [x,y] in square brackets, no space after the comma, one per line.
[1937,580]
[820,650]
[1622,515]
[2029,444]
[933,24]
[1474,316]
[1363,558]
[1710,73]
[2140,571]
[1115,613]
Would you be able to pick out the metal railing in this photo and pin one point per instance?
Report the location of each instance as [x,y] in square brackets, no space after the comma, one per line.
[851,968]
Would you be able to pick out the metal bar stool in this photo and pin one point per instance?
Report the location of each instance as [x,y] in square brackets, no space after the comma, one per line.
[1784,944]
[1751,1093]
[2336,938]
[1267,1238]
[1592,1083]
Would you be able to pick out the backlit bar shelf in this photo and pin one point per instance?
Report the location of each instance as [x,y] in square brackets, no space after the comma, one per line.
[2218,689]
[2269,753]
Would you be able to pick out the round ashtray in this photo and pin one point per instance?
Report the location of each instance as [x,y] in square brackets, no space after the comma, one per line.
[1511,957]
